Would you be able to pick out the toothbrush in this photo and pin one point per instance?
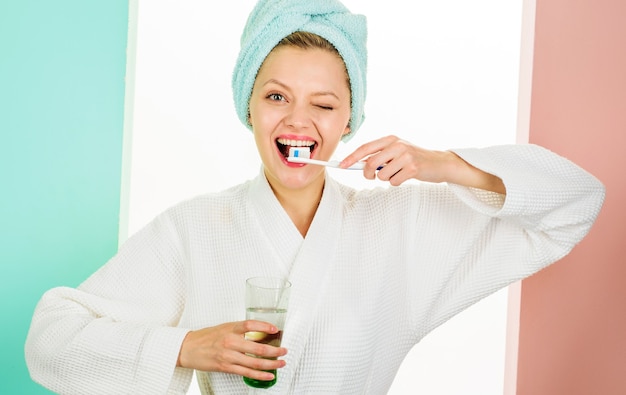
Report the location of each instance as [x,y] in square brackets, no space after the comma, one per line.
[301,155]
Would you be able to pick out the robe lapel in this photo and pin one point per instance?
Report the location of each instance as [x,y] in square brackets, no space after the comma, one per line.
[308,276]
[283,239]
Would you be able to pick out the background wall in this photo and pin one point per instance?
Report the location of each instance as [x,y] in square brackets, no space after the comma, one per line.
[573,315]
[62,66]
[62,70]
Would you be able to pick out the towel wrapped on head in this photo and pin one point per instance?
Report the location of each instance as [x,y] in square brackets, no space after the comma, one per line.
[272,20]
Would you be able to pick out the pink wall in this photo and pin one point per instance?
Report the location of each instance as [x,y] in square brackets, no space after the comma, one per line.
[572,333]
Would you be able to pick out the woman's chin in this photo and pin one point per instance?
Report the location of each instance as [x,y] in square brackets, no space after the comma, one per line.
[296,177]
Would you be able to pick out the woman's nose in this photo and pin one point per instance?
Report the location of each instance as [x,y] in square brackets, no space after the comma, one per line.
[298,116]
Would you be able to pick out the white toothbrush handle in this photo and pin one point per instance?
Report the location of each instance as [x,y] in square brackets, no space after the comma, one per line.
[356,166]
[332,163]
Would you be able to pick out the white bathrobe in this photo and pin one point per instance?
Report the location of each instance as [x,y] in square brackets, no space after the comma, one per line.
[377,271]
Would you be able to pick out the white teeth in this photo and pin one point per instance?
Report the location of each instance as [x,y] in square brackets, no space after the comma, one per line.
[296,143]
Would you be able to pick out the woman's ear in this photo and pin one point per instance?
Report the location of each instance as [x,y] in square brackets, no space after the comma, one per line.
[346,131]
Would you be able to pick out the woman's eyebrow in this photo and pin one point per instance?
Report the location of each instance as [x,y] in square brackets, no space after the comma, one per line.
[320,93]
[326,93]
[274,81]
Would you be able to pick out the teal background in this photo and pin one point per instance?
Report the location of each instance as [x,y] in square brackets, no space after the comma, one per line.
[62,67]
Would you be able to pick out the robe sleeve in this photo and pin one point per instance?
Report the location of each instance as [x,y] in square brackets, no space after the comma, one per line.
[485,241]
[116,333]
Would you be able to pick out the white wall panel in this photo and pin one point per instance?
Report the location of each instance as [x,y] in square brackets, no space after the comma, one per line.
[441,75]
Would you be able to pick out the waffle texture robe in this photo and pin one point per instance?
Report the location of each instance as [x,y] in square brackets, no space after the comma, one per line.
[377,271]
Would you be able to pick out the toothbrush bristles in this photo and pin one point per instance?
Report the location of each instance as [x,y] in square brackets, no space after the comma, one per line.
[300,152]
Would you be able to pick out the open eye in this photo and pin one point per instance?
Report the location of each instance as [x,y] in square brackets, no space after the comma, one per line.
[275,97]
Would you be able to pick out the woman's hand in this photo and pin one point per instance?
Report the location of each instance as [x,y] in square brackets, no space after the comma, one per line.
[403,161]
[223,348]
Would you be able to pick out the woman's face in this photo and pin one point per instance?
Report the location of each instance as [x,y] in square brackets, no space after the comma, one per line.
[300,97]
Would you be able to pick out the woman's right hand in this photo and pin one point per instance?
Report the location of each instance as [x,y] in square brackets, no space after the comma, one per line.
[223,348]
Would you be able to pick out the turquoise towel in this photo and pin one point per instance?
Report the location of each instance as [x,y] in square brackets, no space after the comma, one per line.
[272,20]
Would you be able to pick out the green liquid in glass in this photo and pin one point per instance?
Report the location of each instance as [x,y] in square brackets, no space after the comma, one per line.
[261,383]
[277,317]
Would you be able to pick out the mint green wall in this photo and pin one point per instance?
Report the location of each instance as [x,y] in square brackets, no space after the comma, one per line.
[62,66]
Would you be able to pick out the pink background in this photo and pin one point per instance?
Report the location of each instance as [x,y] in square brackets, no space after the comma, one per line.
[572,323]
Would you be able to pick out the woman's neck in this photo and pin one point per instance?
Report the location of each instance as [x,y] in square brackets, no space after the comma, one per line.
[300,204]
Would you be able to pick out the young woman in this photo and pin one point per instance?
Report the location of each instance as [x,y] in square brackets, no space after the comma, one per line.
[373,271]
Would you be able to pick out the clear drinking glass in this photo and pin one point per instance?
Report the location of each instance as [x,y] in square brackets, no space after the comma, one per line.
[266,300]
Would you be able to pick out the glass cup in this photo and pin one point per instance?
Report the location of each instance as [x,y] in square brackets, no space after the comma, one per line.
[266,300]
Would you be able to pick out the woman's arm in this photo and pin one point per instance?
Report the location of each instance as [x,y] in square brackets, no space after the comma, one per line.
[486,241]
[115,333]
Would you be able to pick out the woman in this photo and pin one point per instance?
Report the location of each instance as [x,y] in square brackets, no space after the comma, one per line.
[372,271]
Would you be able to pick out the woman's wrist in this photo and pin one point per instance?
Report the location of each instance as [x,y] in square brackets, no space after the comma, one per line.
[464,173]
[179,363]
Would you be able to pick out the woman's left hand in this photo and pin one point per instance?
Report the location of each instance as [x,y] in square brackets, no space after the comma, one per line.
[402,161]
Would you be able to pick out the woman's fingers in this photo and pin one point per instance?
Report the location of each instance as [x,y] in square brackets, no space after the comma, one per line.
[366,151]
[388,158]
[254,367]
[223,348]
[250,366]
[254,326]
